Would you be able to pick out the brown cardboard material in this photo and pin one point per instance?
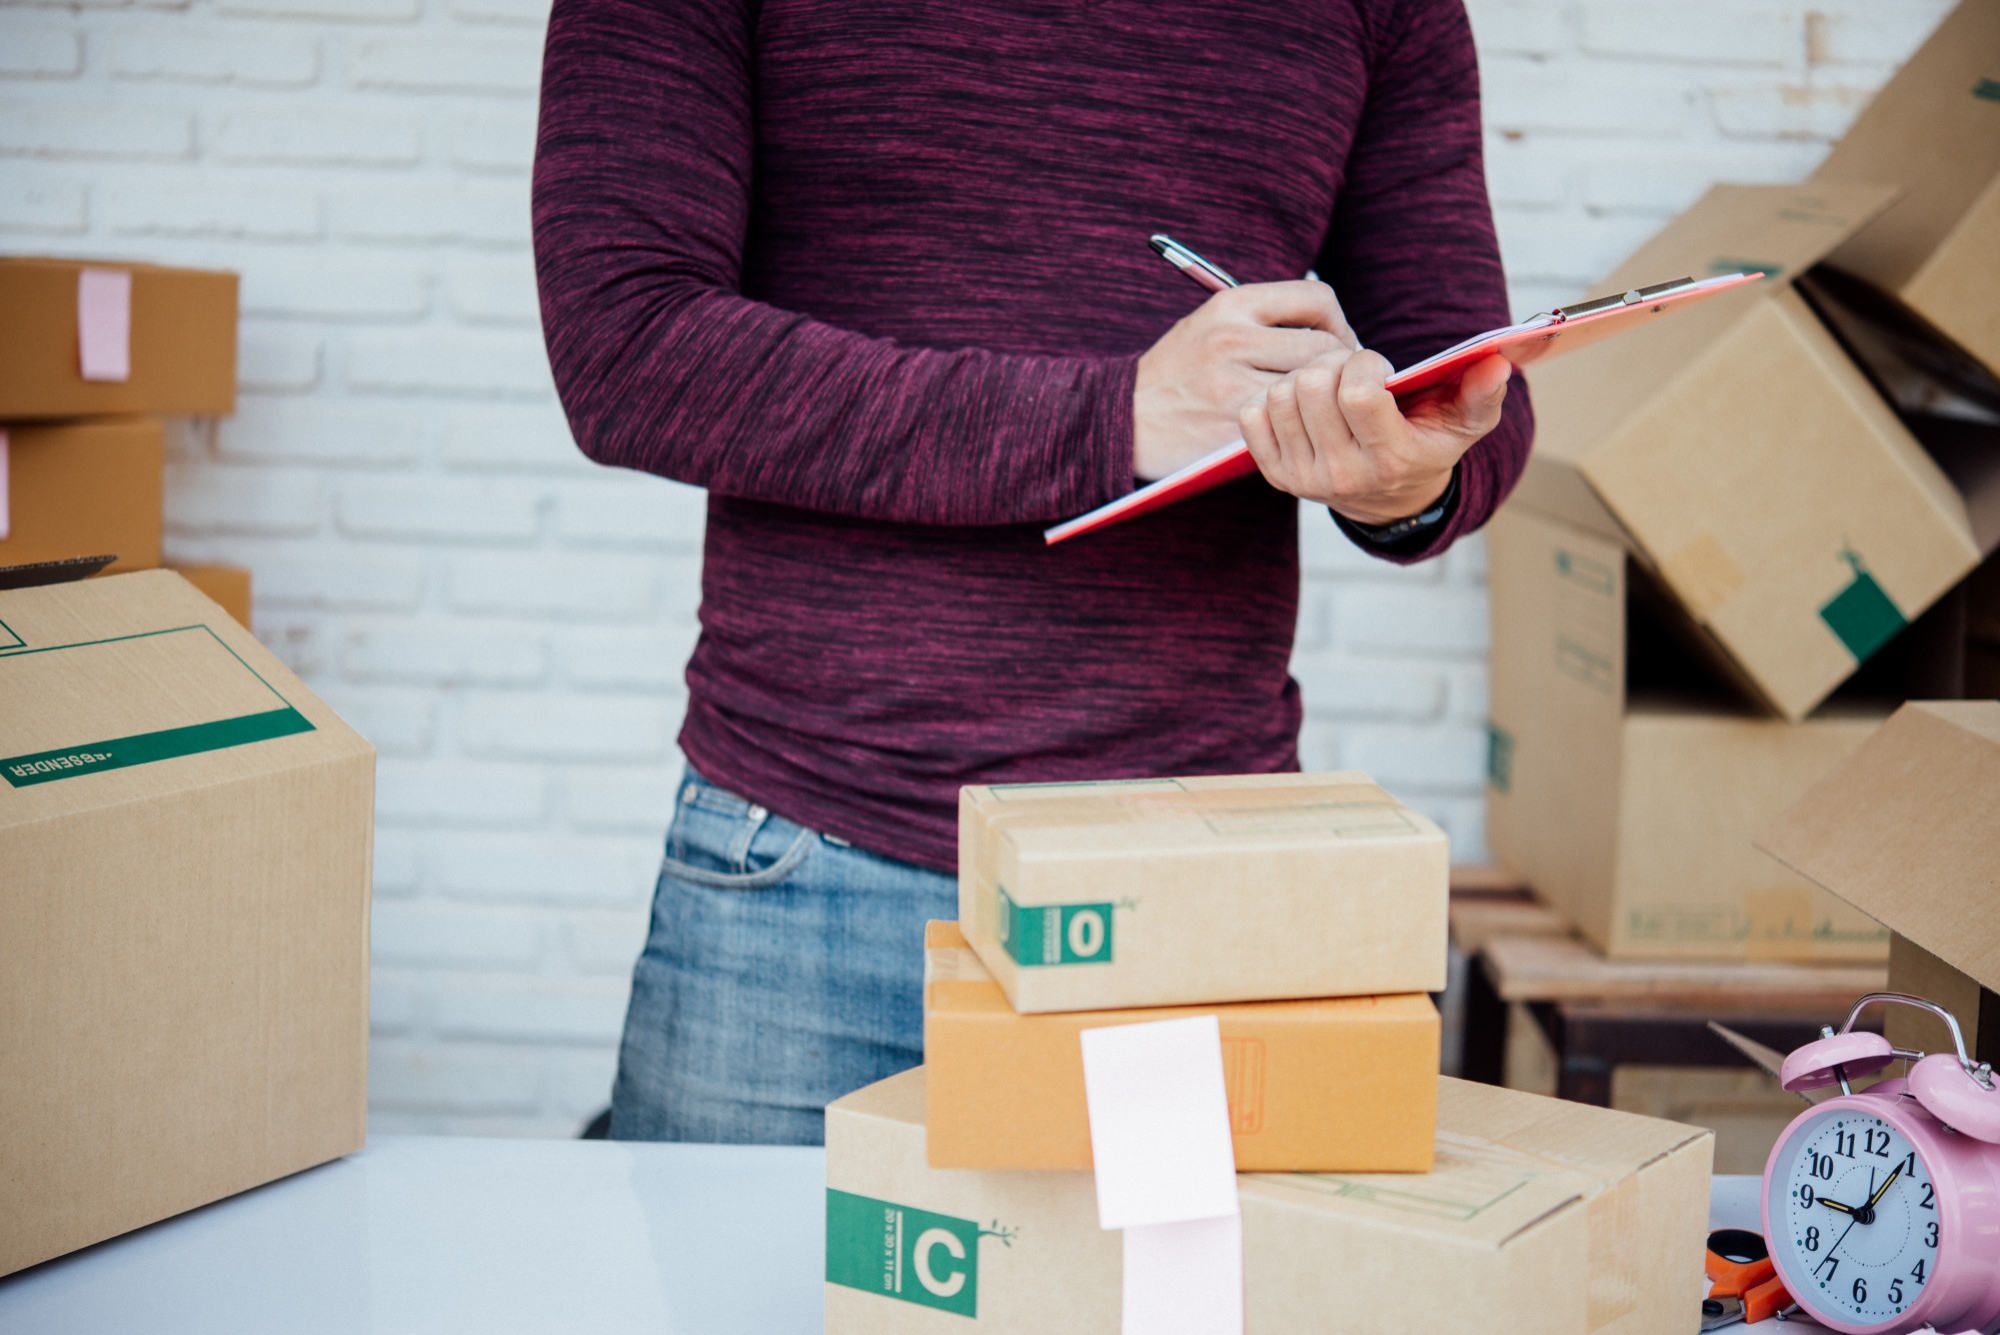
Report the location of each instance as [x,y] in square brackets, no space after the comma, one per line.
[1192,891]
[1904,830]
[229,586]
[1740,454]
[1915,970]
[1540,1216]
[184,928]
[1336,1084]
[183,341]
[1633,816]
[1935,130]
[85,489]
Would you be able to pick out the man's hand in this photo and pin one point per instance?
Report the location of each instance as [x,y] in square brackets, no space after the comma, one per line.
[1331,432]
[1226,352]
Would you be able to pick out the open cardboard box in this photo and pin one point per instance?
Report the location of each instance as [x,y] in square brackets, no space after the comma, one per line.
[1624,779]
[1907,829]
[185,833]
[1337,1083]
[1935,131]
[1192,891]
[1741,456]
[1539,1218]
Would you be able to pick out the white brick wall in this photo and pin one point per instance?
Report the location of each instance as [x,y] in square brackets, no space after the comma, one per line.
[507,622]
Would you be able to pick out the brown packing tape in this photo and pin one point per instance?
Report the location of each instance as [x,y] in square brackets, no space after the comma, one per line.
[1615,1265]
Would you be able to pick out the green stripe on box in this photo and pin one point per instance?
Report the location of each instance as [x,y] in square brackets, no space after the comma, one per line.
[143,749]
[1988,89]
[1862,615]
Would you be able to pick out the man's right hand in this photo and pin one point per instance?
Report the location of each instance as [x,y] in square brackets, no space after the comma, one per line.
[1226,352]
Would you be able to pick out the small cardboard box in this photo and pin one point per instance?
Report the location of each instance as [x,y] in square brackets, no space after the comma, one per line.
[1632,813]
[1739,453]
[1172,892]
[1539,1218]
[1337,1084]
[181,341]
[1907,830]
[83,489]
[186,834]
[1935,130]
[229,586]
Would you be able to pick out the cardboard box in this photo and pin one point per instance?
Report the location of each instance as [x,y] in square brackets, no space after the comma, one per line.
[1632,812]
[229,586]
[84,489]
[1904,830]
[1739,453]
[186,833]
[1339,1084]
[1935,130]
[1540,1216]
[1168,892]
[181,342]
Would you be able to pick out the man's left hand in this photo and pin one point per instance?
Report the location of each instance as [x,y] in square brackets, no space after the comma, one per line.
[1332,432]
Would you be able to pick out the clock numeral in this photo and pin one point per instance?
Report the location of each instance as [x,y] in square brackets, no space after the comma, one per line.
[1908,1168]
[1881,1151]
[1823,1166]
[1917,1272]
[1930,1234]
[1832,1265]
[1806,1197]
[1925,1203]
[1896,1292]
[1860,1291]
[1812,1239]
[1843,1144]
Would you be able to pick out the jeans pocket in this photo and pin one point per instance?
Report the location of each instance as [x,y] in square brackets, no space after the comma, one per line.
[720,841]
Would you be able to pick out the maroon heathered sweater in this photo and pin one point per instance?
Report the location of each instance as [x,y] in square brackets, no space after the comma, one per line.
[875,273]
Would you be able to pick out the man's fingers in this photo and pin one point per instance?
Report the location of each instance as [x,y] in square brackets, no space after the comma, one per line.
[1366,403]
[1254,420]
[1482,391]
[1302,304]
[1284,350]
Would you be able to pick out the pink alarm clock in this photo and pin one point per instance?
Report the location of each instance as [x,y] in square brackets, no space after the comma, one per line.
[1882,1209]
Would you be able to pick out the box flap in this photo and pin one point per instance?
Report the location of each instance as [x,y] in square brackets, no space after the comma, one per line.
[117,689]
[1902,829]
[1783,230]
[1935,129]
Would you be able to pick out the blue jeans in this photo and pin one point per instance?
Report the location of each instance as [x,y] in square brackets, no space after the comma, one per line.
[783,970]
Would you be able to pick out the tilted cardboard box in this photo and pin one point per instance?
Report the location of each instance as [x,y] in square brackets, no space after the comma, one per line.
[84,489]
[229,586]
[1907,830]
[1539,1217]
[1935,131]
[1739,453]
[186,834]
[1168,892]
[1343,1083]
[1634,816]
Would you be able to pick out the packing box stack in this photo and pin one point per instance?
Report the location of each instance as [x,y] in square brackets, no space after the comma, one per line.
[97,353]
[1751,531]
[186,832]
[1305,913]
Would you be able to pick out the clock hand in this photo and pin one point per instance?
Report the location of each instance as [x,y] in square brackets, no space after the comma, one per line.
[1831,1204]
[1884,1187]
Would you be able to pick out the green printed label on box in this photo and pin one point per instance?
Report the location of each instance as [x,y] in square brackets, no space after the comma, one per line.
[146,747]
[900,1252]
[1499,758]
[1055,933]
[1862,615]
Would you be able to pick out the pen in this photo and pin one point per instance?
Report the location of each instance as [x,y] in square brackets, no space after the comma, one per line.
[1204,272]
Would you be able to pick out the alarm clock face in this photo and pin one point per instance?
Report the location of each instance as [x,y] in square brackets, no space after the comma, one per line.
[1853,1217]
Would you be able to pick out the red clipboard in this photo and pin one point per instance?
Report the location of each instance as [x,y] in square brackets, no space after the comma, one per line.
[1539,336]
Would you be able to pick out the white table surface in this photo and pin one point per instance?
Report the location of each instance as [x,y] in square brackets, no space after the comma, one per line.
[418,1234]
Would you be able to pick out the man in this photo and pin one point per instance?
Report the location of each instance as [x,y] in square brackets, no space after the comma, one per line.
[875,273]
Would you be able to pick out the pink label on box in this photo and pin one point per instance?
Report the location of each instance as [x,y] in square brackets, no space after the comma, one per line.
[104,323]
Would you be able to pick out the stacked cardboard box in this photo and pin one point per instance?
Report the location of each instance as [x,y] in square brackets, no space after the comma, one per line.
[185,832]
[96,354]
[1704,590]
[1306,913]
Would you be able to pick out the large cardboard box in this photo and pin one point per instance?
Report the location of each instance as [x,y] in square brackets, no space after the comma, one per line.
[1335,1084]
[83,489]
[1540,1216]
[1935,130]
[185,832]
[180,343]
[1907,829]
[229,586]
[1632,812]
[1168,892]
[1738,452]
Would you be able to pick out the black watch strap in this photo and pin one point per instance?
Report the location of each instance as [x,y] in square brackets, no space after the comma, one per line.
[1405,535]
